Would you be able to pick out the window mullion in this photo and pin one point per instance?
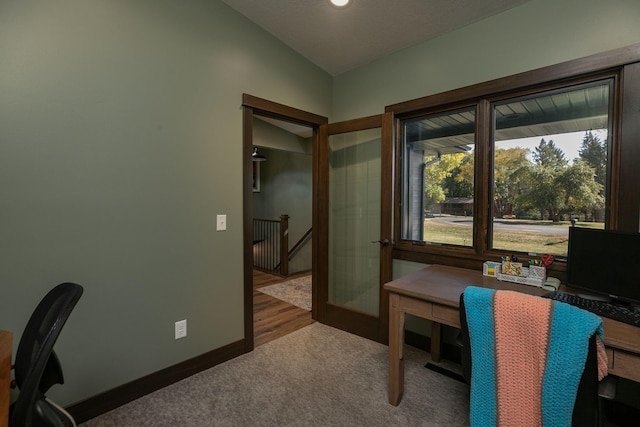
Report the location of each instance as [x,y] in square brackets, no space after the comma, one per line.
[483,180]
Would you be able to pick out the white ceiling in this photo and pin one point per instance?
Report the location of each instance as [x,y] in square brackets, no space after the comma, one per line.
[341,39]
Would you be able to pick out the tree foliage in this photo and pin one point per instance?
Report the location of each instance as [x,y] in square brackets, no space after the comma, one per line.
[510,177]
[556,188]
[593,152]
[460,182]
[580,189]
[548,183]
[546,154]
[437,170]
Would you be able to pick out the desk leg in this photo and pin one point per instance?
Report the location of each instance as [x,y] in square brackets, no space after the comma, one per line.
[396,348]
[436,338]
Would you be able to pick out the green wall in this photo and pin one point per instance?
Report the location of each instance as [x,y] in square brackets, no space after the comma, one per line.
[120,142]
[286,187]
[270,136]
[536,34]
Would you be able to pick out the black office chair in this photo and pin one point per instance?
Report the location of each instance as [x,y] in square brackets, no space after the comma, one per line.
[37,367]
[587,411]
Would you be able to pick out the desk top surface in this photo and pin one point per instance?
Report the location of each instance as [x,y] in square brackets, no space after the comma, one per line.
[443,285]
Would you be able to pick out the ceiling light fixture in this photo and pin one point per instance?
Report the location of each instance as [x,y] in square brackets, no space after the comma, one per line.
[340,3]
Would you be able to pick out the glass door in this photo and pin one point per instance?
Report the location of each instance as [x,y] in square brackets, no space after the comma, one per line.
[355,207]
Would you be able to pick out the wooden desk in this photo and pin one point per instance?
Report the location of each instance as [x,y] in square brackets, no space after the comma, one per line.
[434,293]
[5,376]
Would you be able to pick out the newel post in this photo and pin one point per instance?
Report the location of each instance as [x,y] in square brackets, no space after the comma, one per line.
[284,245]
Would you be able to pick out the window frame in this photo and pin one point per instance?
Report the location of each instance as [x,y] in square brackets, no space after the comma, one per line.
[402,161]
[612,79]
[623,213]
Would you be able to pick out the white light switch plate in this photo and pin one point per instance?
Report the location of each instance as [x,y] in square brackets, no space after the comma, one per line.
[181,329]
[221,223]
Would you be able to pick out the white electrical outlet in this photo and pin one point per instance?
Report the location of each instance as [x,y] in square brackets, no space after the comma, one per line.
[181,329]
[221,223]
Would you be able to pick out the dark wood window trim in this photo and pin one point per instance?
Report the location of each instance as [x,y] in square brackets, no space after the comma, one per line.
[623,65]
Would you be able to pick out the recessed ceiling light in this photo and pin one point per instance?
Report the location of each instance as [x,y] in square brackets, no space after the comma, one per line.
[340,3]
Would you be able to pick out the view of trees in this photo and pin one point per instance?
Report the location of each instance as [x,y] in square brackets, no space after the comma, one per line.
[548,186]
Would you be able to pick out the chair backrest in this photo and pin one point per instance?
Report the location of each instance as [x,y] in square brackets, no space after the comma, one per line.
[36,366]
[586,408]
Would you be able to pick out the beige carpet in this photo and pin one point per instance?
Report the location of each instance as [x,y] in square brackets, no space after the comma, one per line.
[316,376]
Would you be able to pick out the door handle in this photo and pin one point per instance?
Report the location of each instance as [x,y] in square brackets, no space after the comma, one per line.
[384,242]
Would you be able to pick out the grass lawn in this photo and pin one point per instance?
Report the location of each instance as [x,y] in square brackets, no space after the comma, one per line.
[510,239]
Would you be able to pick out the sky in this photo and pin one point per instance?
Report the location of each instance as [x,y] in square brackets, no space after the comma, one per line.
[568,142]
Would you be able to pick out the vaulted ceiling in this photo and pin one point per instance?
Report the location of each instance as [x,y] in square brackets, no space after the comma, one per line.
[341,39]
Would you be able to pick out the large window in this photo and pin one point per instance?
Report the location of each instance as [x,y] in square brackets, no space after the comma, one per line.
[438,178]
[548,170]
[550,167]
[508,166]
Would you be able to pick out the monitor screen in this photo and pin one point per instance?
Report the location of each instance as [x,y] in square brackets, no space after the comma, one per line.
[605,262]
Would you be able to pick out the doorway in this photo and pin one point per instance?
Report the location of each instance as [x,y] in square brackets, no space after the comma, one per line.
[342,305]
[282,232]
[257,112]
[275,316]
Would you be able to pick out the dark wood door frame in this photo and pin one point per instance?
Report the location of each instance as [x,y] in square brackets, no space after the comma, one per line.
[254,105]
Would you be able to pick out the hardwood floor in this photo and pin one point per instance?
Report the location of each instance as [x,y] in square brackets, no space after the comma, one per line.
[274,318]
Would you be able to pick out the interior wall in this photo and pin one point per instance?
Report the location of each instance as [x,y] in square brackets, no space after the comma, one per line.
[533,35]
[120,142]
[286,187]
[270,136]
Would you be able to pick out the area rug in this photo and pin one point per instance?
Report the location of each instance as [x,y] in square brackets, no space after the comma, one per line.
[295,291]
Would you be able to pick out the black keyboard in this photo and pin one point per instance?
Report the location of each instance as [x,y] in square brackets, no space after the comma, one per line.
[621,313]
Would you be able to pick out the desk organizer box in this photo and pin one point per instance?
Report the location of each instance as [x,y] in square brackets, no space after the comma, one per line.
[508,271]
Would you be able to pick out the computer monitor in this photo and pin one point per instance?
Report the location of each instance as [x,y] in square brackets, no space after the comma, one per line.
[605,262]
